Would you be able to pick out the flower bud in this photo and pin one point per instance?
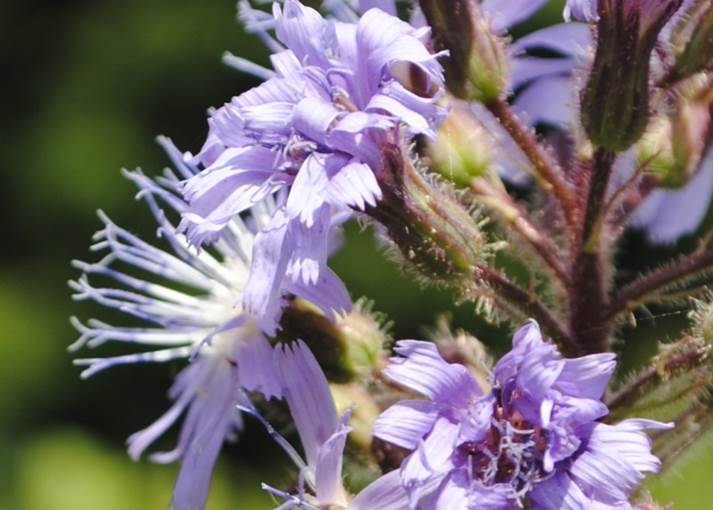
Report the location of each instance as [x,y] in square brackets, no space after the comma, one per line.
[674,145]
[437,235]
[463,149]
[348,348]
[615,101]
[461,347]
[697,54]
[477,64]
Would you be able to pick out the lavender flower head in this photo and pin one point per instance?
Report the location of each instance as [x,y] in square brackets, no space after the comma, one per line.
[205,321]
[534,439]
[339,92]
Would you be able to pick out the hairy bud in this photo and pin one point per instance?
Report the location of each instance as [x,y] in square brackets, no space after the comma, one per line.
[463,149]
[674,145]
[433,230]
[349,348]
[477,65]
[615,101]
[697,53]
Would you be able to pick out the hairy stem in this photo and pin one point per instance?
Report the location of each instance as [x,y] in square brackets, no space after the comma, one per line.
[529,305]
[517,218]
[546,167]
[648,286]
[685,354]
[588,293]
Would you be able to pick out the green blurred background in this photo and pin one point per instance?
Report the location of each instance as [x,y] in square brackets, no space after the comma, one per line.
[87,86]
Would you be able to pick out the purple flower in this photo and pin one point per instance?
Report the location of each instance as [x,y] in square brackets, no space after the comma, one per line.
[533,439]
[323,436]
[193,304]
[339,92]
[582,10]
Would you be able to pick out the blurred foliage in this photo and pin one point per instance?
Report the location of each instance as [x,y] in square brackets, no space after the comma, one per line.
[87,86]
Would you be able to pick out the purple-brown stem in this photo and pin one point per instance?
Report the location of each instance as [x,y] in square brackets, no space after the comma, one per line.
[543,162]
[588,292]
[520,221]
[649,285]
[529,305]
[690,353]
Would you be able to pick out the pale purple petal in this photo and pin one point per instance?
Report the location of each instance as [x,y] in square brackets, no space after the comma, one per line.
[308,397]
[560,492]
[314,118]
[588,376]
[526,69]
[388,6]
[569,39]
[301,29]
[548,100]
[308,190]
[353,185]
[668,214]
[433,455]
[582,10]
[421,368]
[406,423]
[384,493]
[328,471]
[261,297]
[256,366]
[329,293]
[507,13]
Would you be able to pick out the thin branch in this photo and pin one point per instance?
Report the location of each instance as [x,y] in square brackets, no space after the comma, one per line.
[649,285]
[688,352]
[515,216]
[545,165]
[529,305]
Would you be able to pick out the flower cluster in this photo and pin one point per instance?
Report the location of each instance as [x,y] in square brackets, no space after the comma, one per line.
[357,115]
[533,439]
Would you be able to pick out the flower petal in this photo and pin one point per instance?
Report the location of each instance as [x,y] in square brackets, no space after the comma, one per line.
[422,369]
[406,423]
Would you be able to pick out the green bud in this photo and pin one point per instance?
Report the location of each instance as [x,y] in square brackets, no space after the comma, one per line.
[615,100]
[477,65]
[433,230]
[349,348]
[697,54]
[702,317]
[463,149]
[674,145]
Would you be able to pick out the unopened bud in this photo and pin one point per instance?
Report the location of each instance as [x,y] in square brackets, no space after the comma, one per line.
[675,145]
[697,54]
[436,234]
[461,347]
[702,317]
[463,149]
[348,348]
[477,64]
[615,101]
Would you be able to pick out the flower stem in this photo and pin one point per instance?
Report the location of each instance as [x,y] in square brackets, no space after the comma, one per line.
[588,292]
[528,304]
[648,286]
[546,167]
[517,218]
